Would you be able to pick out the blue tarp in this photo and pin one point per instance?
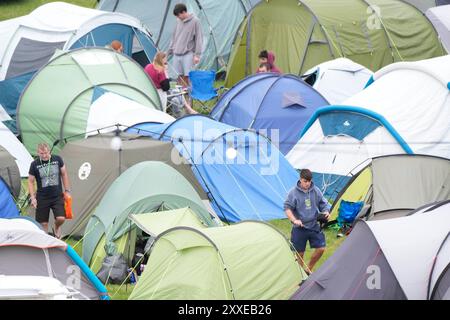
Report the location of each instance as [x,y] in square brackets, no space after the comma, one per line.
[245,176]
[268,101]
[8,208]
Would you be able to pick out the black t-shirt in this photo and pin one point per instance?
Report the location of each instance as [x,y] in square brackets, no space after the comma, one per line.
[48,177]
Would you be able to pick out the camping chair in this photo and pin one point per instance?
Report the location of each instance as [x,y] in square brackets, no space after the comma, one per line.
[175,101]
[202,87]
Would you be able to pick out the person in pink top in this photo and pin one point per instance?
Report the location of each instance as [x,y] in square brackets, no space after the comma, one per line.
[269,58]
[157,71]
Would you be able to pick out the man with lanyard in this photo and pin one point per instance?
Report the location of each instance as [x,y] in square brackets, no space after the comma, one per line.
[47,172]
[302,207]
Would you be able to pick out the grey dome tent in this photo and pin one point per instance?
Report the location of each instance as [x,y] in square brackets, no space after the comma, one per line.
[376,263]
[93,166]
[391,186]
[27,251]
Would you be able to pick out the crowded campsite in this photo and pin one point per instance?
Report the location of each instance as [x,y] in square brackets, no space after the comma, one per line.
[225,150]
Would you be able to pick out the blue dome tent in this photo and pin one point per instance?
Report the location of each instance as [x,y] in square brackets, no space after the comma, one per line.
[269,101]
[244,175]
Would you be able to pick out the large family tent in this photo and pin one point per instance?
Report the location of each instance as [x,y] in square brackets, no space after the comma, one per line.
[373,262]
[26,250]
[28,42]
[424,5]
[75,76]
[10,185]
[338,79]
[277,105]
[10,143]
[440,17]
[92,166]
[243,173]
[303,34]
[246,261]
[390,116]
[148,186]
[391,186]
[219,20]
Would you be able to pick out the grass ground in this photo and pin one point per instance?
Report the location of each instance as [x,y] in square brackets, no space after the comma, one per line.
[13,8]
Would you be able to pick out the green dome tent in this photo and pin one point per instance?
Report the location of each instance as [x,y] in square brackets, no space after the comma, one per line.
[148,186]
[56,102]
[303,34]
[249,260]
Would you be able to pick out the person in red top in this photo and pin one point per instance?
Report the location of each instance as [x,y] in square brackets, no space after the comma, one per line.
[157,71]
[268,57]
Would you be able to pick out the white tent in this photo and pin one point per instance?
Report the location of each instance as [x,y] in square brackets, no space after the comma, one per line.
[405,110]
[412,271]
[440,18]
[120,110]
[338,79]
[29,41]
[28,253]
[9,141]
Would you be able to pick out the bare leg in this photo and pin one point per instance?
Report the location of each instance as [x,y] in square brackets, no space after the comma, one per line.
[188,108]
[317,254]
[58,223]
[183,81]
[45,226]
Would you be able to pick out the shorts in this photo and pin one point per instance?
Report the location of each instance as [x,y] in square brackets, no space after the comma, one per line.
[44,206]
[183,64]
[299,237]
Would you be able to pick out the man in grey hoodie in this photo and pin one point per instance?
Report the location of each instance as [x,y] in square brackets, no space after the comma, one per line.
[186,44]
[302,207]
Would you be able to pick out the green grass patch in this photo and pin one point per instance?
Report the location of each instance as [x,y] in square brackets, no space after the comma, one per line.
[15,8]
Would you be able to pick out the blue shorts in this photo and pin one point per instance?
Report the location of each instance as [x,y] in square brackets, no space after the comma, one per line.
[299,237]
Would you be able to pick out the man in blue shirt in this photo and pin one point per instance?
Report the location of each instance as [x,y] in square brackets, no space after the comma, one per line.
[303,204]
